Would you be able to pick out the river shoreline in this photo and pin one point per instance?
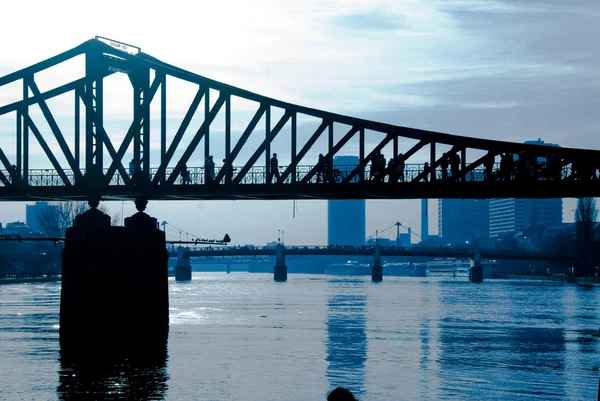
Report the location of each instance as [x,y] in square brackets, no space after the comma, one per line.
[512,277]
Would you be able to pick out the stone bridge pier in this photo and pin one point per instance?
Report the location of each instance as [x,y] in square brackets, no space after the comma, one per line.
[114,295]
[476,269]
[377,270]
[183,269]
[280,266]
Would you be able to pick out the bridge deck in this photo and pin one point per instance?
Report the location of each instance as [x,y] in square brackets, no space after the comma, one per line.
[437,252]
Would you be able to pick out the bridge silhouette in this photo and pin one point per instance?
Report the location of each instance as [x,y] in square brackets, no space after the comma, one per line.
[92,166]
[421,251]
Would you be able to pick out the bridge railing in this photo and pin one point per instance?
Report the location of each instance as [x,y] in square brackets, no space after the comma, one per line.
[259,175]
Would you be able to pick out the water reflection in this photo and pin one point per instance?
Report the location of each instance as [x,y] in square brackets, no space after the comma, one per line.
[112,378]
[346,335]
[520,340]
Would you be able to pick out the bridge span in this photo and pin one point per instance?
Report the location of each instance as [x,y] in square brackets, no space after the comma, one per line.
[88,160]
[438,252]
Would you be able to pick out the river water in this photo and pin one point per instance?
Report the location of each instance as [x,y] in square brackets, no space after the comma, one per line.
[242,336]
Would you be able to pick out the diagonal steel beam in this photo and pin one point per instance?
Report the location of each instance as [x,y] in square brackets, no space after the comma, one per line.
[266,142]
[44,96]
[178,135]
[242,141]
[4,180]
[197,138]
[366,160]
[55,129]
[472,166]
[44,145]
[7,166]
[330,154]
[135,124]
[86,98]
[311,141]
[59,58]
[424,173]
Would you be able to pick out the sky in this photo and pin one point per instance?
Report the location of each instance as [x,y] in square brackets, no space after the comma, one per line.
[512,70]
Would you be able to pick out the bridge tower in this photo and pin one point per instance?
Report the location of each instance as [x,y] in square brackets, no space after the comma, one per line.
[183,269]
[280,266]
[377,272]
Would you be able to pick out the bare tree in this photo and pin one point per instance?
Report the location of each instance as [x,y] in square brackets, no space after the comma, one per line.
[55,218]
[586,232]
[115,218]
[585,220]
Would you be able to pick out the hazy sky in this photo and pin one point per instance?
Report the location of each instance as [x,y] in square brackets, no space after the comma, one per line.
[513,70]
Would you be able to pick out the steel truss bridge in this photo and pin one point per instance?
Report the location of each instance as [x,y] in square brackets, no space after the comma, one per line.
[457,253]
[93,165]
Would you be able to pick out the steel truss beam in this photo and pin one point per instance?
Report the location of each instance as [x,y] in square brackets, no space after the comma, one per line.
[103,60]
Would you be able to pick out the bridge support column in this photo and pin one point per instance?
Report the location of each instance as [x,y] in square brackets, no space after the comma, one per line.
[280,266]
[114,296]
[377,272]
[183,269]
[476,270]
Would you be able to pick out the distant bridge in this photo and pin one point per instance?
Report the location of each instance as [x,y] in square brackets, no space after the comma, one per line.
[438,252]
[90,165]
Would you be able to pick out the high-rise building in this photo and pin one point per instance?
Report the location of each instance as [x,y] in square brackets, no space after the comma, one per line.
[424,221]
[459,220]
[346,219]
[508,216]
[32,213]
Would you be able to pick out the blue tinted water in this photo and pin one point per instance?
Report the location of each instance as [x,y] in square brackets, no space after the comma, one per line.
[243,337]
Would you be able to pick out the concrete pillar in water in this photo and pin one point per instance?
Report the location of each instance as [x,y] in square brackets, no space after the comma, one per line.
[280,266]
[183,269]
[476,269]
[114,296]
[377,272]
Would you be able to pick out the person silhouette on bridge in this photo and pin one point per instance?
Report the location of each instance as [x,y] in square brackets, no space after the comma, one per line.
[227,171]
[321,168]
[341,394]
[132,168]
[274,170]
[400,164]
[391,170]
[454,164]
[185,175]
[444,165]
[381,167]
[426,172]
[209,169]
[374,164]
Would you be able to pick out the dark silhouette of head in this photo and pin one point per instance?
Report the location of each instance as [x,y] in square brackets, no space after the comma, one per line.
[340,394]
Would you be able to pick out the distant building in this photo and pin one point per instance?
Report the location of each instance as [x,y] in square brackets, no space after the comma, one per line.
[460,219]
[509,216]
[382,242]
[32,213]
[346,219]
[424,220]
[17,228]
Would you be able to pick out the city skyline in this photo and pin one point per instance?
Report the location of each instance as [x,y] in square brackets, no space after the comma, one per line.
[444,66]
